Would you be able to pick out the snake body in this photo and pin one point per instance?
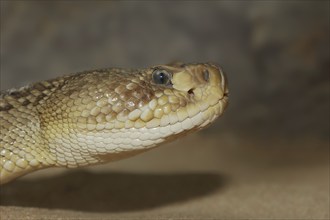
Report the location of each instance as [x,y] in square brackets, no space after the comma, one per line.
[104,115]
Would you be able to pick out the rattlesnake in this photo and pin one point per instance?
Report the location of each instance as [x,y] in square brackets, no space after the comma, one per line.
[104,115]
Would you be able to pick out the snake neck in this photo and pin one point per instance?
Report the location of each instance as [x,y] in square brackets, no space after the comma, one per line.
[22,147]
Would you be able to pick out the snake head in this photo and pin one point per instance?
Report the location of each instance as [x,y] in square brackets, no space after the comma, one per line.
[196,93]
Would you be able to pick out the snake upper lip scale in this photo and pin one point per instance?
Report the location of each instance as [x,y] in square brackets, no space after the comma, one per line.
[105,115]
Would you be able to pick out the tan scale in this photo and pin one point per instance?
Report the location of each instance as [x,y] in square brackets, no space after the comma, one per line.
[105,115]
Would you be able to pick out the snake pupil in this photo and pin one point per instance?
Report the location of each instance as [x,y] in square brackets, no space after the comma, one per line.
[162,77]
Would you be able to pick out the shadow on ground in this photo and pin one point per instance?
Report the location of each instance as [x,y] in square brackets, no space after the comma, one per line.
[109,192]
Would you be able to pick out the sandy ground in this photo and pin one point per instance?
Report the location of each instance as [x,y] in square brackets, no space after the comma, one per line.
[184,180]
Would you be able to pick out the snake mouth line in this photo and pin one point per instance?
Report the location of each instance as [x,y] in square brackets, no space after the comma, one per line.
[225,96]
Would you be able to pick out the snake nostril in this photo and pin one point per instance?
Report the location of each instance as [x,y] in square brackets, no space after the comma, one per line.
[206,75]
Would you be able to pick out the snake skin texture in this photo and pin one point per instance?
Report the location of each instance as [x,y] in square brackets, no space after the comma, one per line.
[105,115]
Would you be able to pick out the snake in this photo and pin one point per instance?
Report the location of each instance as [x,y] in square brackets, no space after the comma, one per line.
[104,115]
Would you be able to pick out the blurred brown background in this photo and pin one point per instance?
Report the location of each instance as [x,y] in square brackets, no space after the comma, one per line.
[267,157]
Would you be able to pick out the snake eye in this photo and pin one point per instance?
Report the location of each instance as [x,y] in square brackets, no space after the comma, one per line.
[162,77]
